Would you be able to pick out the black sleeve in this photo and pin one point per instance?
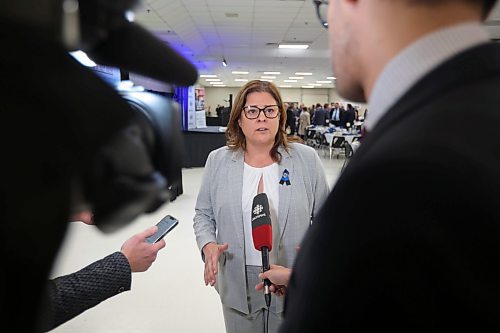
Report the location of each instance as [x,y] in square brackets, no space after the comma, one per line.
[68,296]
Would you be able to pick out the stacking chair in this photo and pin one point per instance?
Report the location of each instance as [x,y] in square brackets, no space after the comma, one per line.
[310,137]
[322,143]
[348,151]
[337,145]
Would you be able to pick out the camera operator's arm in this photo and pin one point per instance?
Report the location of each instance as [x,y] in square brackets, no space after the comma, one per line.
[68,296]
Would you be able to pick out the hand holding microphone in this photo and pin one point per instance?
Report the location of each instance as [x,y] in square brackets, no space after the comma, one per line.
[279,277]
[262,234]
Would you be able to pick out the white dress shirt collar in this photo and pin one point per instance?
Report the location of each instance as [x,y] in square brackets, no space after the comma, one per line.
[417,60]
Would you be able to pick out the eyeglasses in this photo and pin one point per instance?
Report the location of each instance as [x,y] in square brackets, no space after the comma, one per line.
[321,11]
[253,111]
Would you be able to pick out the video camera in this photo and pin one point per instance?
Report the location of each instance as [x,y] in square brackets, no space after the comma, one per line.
[134,138]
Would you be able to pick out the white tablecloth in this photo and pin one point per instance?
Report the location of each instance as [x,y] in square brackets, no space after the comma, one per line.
[349,137]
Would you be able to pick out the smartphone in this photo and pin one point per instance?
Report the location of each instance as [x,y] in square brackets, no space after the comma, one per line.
[165,225]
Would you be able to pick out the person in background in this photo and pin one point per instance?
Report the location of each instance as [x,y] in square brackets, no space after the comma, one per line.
[290,120]
[349,116]
[408,240]
[69,295]
[304,122]
[319,116]
[258,158]
[337,114]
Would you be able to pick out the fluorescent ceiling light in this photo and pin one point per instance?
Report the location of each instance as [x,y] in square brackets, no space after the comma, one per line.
[296,77]
[239,72]
[208,80]
[323,81]
[216,82]
[331,78]
[308,87]
[83,59]
[285,86]
[267,77]
[303,73]
[208,75]
[219,85]
[241,80]
[293,46]
[289,80]
[272,73]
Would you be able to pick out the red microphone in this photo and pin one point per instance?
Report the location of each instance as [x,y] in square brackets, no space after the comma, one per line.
[262,234]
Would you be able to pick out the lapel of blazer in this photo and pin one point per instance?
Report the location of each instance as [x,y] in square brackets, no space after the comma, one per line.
[285,191]
[236,172]
[472,65]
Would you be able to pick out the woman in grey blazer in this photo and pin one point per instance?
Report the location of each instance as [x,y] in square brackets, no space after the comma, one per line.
[258,158]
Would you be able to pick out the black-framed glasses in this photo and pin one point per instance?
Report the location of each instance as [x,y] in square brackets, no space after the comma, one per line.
[322,12]
[253,111]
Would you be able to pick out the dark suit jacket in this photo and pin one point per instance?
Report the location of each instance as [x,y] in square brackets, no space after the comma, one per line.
[409,238]
[70,295]
[348,116]
[319,117]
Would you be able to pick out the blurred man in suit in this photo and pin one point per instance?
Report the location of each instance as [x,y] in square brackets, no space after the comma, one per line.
[319,116]
[409,237]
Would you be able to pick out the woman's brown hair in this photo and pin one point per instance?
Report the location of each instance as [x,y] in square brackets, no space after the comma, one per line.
[234,135]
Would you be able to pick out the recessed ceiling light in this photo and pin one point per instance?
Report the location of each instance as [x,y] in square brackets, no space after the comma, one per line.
[293,46]
[303,73]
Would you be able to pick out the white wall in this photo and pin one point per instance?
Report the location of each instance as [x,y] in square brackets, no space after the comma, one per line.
[214,96]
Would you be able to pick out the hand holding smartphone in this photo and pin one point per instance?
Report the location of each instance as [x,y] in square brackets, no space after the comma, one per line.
[165,225]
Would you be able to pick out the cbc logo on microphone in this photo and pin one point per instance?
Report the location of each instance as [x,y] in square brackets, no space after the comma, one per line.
[258,209]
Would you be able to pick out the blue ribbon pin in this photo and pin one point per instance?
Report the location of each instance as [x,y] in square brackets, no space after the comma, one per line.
[285,178]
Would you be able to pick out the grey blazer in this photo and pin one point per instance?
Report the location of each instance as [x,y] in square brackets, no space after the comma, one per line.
[219,215]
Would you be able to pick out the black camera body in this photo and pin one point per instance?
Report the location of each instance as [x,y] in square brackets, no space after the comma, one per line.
[69,140]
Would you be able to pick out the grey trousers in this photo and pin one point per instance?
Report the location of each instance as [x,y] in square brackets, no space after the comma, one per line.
[238,322]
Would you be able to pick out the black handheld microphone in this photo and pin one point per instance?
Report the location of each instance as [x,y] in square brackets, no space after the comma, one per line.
[262,234]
